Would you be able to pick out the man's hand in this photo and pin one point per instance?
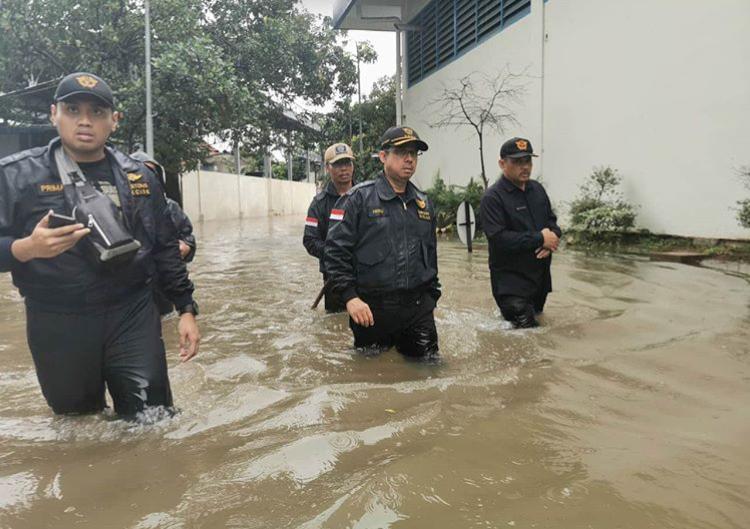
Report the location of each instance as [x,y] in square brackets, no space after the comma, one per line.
[184,249]
[45,243]
[190,337]
[551,240]
[543,253]
[360,312]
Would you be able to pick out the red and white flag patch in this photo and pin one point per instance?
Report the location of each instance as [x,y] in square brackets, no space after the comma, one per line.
[312,222]
[337,214]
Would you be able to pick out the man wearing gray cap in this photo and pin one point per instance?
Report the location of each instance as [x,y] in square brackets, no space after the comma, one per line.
[339,160]
[84,229]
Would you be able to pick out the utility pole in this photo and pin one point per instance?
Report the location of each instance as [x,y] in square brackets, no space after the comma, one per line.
[149,116]
[359,98]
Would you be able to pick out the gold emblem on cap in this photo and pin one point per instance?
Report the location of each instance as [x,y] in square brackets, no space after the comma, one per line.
[86,81]
[421,203]
[408,131]
[134,177]
[522,144]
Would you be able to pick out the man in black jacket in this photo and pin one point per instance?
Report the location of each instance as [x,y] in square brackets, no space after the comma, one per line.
[185,238]
[339,161]
[522,229]
[381,253]
[89,325]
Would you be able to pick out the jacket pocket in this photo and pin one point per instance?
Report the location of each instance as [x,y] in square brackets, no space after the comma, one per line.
[374,266]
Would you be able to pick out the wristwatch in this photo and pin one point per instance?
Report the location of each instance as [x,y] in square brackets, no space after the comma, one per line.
[191,308]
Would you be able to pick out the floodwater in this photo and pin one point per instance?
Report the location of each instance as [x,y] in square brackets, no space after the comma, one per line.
[629,408]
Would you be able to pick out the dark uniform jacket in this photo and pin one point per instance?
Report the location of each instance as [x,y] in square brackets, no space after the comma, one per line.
[30,186]
[381,243]
[184,227]
[316,223]
[513,220]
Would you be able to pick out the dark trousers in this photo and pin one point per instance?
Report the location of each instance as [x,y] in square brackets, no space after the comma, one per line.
[521,311]
[77,354]
[406,323]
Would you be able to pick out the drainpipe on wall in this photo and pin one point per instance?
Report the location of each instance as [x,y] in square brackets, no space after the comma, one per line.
[399,101]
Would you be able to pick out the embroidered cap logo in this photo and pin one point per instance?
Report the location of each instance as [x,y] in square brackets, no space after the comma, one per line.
[522,144]
[86,81]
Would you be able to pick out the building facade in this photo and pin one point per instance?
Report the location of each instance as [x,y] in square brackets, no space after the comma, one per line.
[657,89]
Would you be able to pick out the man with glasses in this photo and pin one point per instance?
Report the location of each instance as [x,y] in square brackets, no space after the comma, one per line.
[339,161]
[522,230]
[381,254]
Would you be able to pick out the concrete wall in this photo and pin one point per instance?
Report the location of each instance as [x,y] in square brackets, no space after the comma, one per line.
[221,196]
[656,89]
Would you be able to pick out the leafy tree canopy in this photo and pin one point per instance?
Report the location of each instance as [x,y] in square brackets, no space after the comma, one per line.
[223,67]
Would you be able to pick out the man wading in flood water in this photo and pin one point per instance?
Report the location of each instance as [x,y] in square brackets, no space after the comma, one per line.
[90,315]
[523,234]
[381,253]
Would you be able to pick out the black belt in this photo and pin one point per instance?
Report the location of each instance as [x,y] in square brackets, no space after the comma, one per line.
[394,298]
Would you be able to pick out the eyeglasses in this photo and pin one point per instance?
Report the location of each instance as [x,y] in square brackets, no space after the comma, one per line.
[403,153]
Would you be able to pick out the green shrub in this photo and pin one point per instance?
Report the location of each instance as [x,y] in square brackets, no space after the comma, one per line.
[599,208]
[446,200]
[743,215]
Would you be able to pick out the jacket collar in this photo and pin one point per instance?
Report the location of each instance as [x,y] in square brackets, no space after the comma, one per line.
[510,187]
[386,192]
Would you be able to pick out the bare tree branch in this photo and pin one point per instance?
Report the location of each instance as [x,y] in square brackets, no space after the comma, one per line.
[478,101]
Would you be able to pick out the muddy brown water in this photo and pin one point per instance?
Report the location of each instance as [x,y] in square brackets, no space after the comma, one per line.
[629,408]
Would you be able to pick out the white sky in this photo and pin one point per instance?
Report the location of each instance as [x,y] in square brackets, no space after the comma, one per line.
[384,43]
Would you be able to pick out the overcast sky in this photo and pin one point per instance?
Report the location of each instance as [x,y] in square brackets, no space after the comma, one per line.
[384,43]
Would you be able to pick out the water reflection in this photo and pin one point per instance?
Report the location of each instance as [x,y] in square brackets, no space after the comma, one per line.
[626,409]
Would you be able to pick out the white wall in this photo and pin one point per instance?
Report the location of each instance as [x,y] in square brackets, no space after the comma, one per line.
[221,196]
[658,89]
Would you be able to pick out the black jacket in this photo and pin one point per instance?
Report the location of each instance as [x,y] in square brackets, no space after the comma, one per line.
[30,186]
[316,223]
[513,221]
[380,243]
[184,227]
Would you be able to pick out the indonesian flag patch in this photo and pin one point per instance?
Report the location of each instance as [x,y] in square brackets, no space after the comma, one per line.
[337,214]
[312,222]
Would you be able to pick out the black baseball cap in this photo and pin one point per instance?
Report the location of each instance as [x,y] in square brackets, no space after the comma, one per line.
[517,148]
[82,83]
[397,136]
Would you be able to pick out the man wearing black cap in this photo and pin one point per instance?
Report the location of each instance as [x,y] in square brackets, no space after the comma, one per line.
[381,253]
[91,319]
[522,229]
[339,160]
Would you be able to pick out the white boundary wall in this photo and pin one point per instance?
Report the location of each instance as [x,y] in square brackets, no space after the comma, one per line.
[658,89]
[220,196]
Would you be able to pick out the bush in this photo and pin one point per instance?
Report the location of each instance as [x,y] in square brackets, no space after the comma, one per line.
[446,200]
[599,208]
[744,213]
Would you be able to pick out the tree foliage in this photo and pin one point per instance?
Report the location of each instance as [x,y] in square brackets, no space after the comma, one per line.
[743,214]
[446,200]
[378,115]
[223,67]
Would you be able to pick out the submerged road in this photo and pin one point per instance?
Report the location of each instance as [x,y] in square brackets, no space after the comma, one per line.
[627,409]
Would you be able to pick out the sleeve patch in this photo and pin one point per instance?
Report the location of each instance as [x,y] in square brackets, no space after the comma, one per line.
[312,222]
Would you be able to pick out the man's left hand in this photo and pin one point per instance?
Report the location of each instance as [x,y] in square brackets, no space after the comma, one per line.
[184,249]
[190,337]
[543,253]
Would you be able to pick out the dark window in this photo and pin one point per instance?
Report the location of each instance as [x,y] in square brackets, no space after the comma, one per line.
[450,27]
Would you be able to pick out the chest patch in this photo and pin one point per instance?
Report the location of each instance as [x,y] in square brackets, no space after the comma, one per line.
[140,189]
[377,212]
[49,189]
[424,214]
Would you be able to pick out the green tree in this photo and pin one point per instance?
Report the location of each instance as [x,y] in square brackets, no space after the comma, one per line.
[599,209]
[223,67]
[378,114]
